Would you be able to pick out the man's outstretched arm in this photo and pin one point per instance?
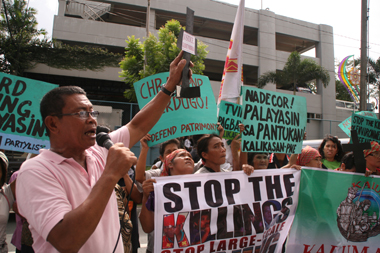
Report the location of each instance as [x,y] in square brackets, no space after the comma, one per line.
[141,124]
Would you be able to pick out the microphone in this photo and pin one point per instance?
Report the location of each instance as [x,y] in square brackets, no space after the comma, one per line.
[104,129]
[104,140]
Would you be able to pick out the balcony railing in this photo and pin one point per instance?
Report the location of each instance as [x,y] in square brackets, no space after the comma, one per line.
[87,9]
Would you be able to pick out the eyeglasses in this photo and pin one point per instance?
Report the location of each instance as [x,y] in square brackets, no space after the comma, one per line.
[81,114]
[377,155]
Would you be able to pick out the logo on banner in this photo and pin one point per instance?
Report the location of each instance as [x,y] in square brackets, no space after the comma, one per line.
[232,65]
[358,213]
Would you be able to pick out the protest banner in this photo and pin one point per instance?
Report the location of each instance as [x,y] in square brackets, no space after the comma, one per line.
[182,116]
[337,212]
[273,121]
[225,212]
[21,124]
[368,128]
[346,124]
[230,118]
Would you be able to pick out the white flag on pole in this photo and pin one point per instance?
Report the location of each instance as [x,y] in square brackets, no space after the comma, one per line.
[233,68]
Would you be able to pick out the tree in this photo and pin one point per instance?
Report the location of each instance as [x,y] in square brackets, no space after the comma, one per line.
[375,65]
[21,45]
[295,73]
[374,77]
[341,91]
[160,52]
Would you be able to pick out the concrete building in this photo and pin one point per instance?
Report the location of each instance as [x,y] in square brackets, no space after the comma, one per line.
[268,41]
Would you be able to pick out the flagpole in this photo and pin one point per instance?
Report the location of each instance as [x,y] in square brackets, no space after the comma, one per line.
[232,74]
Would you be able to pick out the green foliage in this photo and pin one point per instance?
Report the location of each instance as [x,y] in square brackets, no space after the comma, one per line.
[132,64]
[160,52]
[18,37]
[373,75]
[75,57]
[295,73]
[341,91]
[374,72]
[376,66]
[21,45]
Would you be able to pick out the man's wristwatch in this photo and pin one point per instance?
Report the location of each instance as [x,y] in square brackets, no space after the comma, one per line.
[166,91]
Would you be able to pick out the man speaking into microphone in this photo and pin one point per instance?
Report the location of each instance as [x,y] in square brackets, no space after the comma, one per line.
[66,193]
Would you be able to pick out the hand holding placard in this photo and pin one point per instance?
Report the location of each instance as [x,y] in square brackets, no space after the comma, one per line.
[188,44]
[182,116]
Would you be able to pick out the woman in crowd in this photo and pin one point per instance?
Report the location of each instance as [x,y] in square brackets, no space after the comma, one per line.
[348,163]
[331,151]
[213,154]
[259,161]
[372,157]
[179,162]
[165,149]
[309,157]
[7,192]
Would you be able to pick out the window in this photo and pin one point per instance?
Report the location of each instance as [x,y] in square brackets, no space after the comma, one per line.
[310,116]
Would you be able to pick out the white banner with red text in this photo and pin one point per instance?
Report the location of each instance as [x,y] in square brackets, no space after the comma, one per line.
[225,212]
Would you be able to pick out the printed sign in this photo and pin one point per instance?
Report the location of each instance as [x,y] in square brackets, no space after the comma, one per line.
[230,118]
[221,212]
[273,121]
[337,212]
[182,116]
[188,43]
[346,124]
[21,125]
[368,128]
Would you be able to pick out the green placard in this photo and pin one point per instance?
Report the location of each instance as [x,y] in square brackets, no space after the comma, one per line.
[368,128]
[182,116]
[336,210]
[230,118]
[21,125]
[273,121]
[346,124]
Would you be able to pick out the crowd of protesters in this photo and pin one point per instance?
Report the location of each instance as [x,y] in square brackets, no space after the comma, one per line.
[77,196]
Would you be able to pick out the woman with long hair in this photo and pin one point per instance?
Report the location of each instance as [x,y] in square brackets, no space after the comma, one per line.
[331,151]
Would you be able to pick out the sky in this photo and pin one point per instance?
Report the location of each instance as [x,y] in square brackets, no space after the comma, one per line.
[343,15]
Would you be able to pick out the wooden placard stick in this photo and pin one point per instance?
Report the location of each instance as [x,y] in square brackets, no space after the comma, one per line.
[188,43]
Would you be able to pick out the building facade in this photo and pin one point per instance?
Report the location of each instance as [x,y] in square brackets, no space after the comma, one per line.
[268,41]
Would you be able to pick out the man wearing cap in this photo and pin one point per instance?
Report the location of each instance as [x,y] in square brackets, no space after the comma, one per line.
[170,231]
[66,193]
[372,157]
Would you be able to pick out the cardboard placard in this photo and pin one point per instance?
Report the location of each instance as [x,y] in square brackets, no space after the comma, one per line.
[182,116]
[274,122]
[21,124]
